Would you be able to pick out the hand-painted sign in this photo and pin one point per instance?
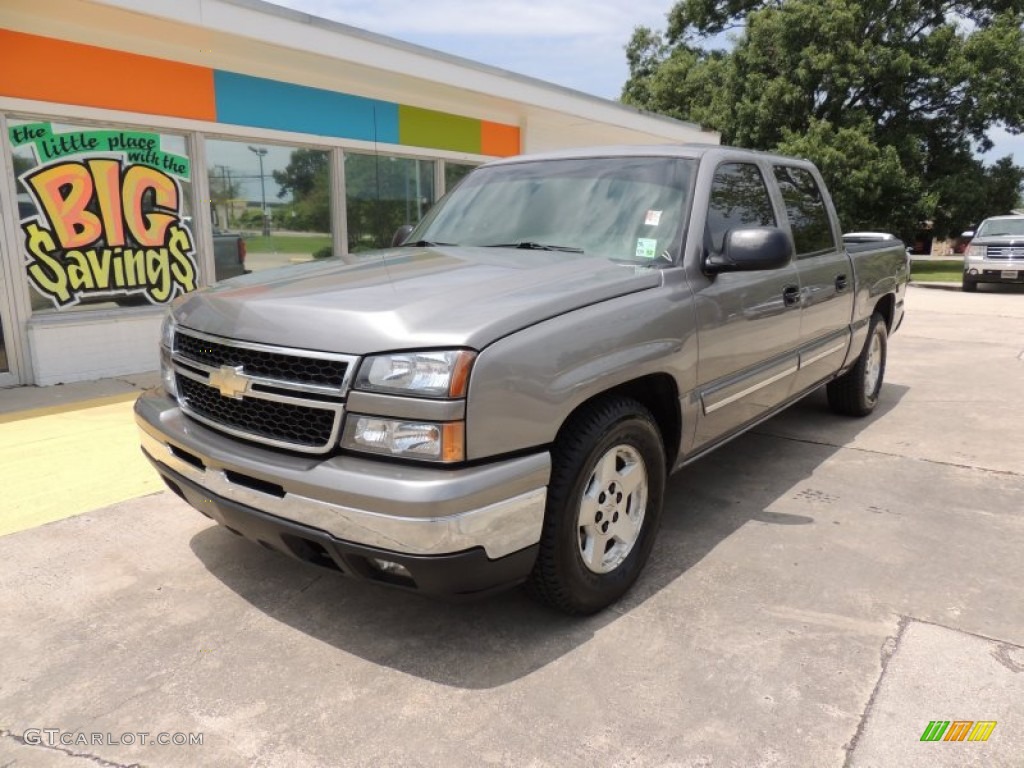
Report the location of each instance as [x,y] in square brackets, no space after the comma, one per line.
[109,222]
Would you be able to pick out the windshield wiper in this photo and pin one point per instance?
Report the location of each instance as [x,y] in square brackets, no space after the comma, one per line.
[422,244]
[526,245]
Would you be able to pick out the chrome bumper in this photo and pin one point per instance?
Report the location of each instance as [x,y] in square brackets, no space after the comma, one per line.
[405,509]
[977,268]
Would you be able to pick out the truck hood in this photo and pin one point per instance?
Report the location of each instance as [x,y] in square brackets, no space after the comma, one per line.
[1002,240]
[408,298]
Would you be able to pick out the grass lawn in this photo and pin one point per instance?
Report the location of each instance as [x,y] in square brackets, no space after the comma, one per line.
[936,270]
[287,243]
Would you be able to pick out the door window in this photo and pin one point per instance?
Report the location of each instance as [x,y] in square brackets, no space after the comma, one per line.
[812,232]
[739,199]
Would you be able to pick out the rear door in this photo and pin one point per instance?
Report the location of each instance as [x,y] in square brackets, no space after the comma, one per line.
[826,274]
[748,322]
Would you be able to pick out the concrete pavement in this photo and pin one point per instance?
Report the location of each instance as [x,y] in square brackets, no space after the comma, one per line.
[821,590]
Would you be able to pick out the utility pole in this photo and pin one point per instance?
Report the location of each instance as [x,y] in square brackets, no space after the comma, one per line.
[260,153]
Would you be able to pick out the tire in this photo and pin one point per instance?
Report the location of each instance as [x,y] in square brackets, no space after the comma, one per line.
[855,393]
[603,507]
[968,285]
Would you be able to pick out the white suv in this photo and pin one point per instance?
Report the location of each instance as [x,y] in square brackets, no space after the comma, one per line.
[996,254]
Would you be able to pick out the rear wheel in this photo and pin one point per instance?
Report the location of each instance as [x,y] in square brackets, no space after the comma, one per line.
[604,506]
[855,393]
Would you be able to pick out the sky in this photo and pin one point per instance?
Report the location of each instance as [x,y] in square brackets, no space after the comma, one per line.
[579,44]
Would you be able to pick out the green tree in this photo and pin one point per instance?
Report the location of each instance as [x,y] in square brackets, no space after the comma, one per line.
[307,179]
[891,98]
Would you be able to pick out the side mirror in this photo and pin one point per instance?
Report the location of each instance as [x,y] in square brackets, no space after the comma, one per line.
[747,250]
[401,234]
[968,233]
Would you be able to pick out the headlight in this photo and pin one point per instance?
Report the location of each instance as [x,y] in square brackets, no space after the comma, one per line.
[430,441]
[167,374]
[167,331]
[425,374]
[974,252]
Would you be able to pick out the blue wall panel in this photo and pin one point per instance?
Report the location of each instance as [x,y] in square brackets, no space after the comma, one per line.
[262,103]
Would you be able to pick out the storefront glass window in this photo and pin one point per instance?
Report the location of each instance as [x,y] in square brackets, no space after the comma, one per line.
[453,173]
[3,351]
[104,215]
[277,199]
[383,193]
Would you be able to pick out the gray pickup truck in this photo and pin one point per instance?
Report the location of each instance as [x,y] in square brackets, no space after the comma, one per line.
[500,399]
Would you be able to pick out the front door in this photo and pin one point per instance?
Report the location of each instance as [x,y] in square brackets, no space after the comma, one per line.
[748,322]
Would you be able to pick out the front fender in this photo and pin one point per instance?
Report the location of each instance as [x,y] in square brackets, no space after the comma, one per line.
[525,385]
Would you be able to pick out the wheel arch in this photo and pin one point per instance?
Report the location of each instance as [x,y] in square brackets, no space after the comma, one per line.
[886,307]
[659,394]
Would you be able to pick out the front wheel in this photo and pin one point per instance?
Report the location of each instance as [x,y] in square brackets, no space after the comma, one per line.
[968,285]
[604,506]
[855,393]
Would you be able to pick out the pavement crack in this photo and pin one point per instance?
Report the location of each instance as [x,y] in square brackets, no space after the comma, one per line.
[1002,655]
[887,651]
[20,739]
[826,444]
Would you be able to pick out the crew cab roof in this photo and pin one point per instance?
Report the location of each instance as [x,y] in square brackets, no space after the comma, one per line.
[687,151]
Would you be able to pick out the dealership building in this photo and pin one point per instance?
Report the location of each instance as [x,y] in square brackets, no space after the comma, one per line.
[151,147]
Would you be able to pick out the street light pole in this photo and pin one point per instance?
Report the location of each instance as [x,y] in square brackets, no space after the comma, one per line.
[260,152]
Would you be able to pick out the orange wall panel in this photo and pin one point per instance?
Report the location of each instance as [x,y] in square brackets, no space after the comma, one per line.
[499,140]
[46,69]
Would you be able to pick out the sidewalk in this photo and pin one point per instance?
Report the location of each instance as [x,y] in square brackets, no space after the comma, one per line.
[69,449]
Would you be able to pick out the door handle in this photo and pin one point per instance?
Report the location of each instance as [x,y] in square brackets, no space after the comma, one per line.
[840,282]
[791,295]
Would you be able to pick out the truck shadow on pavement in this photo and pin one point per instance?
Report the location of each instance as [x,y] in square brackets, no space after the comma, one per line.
[497,640]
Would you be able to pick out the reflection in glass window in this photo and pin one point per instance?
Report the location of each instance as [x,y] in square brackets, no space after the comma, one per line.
[812,232]
[454,173]
[739,199]
[104,215]
[271,205]
[383,193]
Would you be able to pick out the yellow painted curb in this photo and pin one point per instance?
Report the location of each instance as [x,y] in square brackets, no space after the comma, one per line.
[32,413]
[64,460]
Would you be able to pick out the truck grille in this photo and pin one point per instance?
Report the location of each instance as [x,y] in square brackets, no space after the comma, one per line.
[1005,252]
[272,365]
[281,422]
[287,398]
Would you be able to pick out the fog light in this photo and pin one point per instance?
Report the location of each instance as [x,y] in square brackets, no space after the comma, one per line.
[431,441]
[394,569]
[972,272]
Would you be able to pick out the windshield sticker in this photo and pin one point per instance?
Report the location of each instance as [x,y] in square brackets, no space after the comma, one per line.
[653,218]
[109,222]
[646,248]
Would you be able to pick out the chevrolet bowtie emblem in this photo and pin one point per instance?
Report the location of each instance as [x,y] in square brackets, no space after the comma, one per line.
[230,381]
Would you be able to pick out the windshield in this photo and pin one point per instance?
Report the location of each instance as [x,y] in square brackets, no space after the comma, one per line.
[627,208]
[997,227]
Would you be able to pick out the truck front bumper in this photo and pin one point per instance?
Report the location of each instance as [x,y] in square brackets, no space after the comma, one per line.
[436,530]
[994,270]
